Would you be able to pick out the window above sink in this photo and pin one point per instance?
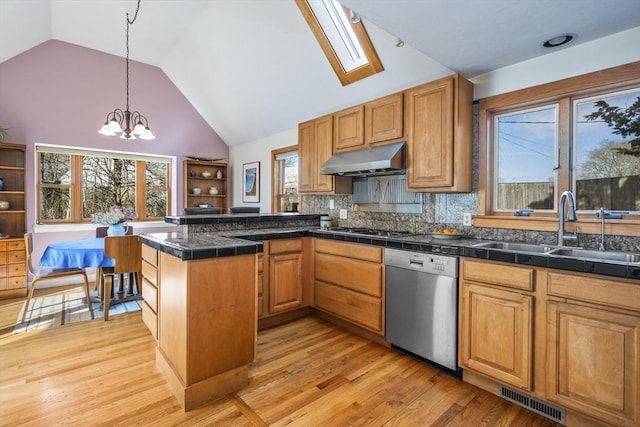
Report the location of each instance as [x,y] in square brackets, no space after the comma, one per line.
[537,142]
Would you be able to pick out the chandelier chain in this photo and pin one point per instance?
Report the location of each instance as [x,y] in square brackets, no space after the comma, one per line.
[130,22]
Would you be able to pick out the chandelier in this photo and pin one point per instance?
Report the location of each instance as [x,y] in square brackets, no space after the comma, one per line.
[131,125]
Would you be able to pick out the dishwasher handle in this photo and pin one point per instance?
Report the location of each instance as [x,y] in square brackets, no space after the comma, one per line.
[416,263]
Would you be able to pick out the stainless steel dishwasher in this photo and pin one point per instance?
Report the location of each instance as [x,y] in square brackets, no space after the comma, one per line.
[422,305]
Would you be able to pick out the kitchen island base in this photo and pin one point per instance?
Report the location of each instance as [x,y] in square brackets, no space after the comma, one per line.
[207,325]
[195,395]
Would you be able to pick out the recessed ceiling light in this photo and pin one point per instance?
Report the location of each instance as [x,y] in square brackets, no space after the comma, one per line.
[560,40]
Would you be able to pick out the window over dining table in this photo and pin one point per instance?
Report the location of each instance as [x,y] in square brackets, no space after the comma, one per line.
[73,183]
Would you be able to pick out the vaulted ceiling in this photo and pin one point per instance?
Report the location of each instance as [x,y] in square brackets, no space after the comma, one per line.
[252,68]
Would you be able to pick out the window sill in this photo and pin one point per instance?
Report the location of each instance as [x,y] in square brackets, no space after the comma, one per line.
[58,228]
[617,227]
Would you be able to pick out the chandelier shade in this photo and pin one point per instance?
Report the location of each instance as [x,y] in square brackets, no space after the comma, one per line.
[130,125]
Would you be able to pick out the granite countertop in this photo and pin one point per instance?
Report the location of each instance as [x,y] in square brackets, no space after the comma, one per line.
[204,245]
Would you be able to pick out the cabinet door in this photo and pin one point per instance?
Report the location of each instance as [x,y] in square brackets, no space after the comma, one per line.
[593,362]
[429,120]
[323,151]
[306,153]
[383,119]
[349,129]
[285,282]
[496,333]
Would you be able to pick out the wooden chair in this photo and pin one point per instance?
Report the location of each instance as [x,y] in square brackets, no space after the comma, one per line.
[127,253]
[42,273]
[102,232]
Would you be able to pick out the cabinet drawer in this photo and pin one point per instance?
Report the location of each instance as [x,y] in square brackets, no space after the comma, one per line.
[498,274]
[150,319]
[19,269]
[16,245]
[350,250]
[150,255]
[605,291]
[285,246]
[16,282]
[150,294]
[3,257]
[3,246]
[353,306]
[16,256]
[149,272]
[349,273]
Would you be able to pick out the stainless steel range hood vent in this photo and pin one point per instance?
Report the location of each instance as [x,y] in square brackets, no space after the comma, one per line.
[381,160]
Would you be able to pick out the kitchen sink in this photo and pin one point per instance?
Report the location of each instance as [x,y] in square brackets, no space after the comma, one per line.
[597,255]
[516,247]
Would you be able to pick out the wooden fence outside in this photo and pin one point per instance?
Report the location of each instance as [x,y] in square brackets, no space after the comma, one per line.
[621,193]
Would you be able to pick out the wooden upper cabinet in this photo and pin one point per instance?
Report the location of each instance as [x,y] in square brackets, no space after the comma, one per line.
[375,122]
[349,129]
[384,119]
[307,155]
[438,117]
[315,146]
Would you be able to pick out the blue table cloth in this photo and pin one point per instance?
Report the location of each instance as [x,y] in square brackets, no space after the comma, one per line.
[78,253]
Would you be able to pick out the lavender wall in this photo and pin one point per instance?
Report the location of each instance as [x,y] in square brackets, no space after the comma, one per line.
[60,93]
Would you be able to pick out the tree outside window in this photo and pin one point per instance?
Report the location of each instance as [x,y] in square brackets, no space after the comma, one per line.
[73,185]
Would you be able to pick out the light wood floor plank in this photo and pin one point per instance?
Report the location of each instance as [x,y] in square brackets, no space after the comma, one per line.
[307,373]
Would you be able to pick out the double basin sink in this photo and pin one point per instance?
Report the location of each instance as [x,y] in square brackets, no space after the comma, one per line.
[627,257]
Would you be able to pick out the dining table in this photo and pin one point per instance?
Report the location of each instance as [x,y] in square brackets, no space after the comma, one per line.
[81,253]
[76,253]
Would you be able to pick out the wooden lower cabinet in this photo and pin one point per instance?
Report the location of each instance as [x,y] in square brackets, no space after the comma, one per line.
[349,282]
[285,275]
[497,326]
[150,285]
[593,351]
[569,339]
[13,268]
[496,321]
[260,292]
[282,283]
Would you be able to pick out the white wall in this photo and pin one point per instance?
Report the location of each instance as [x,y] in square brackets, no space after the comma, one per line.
[607,52]
[611,51]
[260,151]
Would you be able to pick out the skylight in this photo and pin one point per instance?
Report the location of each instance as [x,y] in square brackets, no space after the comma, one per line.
[345,43]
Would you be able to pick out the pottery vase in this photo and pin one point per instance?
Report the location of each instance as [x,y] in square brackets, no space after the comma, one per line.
[119,229]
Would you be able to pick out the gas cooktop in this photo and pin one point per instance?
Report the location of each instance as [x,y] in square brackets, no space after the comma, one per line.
[370,232]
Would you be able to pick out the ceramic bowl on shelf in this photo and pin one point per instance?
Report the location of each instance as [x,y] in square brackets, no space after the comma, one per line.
[213,191]
[4,205]
[196,191]
[206,174]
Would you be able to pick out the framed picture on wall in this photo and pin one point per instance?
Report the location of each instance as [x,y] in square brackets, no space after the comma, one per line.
[251,191]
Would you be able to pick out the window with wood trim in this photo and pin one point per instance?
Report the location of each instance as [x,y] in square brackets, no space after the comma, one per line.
[580,134]
[74,183]
[346,44]
[284,181]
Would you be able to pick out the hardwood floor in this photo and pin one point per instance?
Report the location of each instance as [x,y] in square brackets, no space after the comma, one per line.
[308,373]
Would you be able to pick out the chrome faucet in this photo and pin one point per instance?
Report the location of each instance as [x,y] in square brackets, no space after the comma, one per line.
[601,245]
[567,197]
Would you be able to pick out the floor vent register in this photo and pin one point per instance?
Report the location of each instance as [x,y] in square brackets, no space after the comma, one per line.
[538,406]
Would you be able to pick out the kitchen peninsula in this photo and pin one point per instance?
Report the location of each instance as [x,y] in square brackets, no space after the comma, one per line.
[200,293]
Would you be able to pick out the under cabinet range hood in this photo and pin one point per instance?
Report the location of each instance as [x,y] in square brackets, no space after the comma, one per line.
[381,160]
